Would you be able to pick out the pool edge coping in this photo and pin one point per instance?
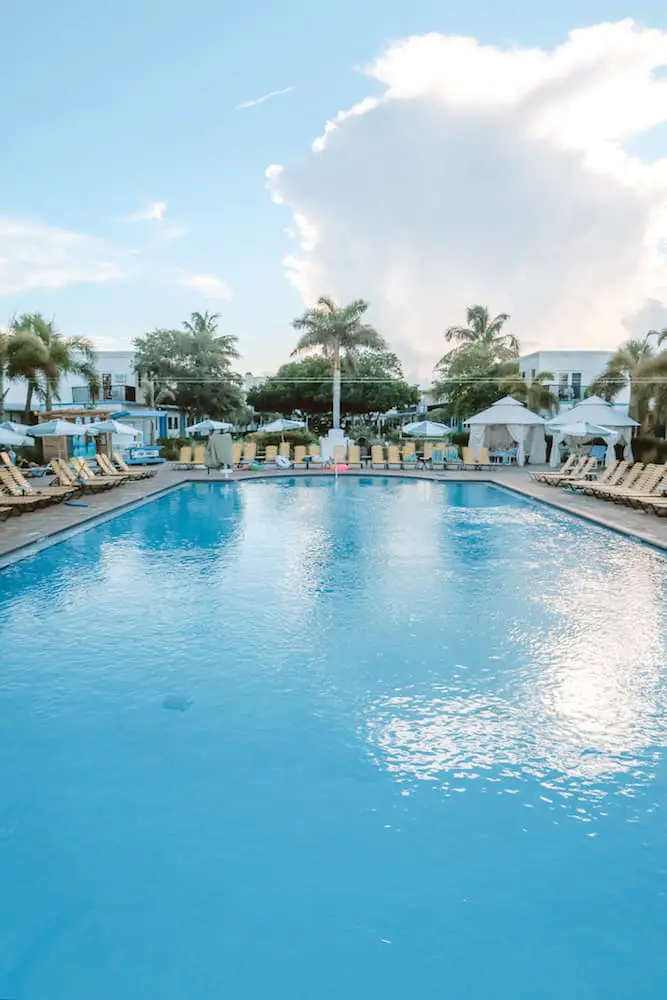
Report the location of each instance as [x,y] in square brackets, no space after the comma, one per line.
[28,549]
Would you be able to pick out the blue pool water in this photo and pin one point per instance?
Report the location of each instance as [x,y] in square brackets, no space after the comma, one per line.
[373,739]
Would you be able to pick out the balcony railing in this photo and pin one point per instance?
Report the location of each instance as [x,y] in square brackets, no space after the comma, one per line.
[115,394]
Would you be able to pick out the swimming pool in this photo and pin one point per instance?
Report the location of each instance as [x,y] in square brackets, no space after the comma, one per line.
[307,739]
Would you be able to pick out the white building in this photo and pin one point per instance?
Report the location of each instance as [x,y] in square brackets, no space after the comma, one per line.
[119,386]
[573,373]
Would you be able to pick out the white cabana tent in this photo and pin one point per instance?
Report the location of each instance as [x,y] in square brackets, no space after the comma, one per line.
[595,410]
[581,431]
[509,422]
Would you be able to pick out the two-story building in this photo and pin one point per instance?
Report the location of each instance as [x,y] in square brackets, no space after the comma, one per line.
[573,372]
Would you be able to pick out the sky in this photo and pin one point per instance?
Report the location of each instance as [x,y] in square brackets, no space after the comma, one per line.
[161,157]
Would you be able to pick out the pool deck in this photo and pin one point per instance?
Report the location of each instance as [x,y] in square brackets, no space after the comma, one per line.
[29,531]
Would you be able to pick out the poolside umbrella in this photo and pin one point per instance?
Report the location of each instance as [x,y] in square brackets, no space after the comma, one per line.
[23,430]
[585,430]
[113,427]
[9,439]
[426,429]
[280,426]
[61,429]
[209,427]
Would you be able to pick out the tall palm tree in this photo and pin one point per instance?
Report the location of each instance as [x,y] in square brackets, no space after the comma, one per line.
[40,354]
[482,329]
[4,345]
[338,333]
[536,393]
[635,364]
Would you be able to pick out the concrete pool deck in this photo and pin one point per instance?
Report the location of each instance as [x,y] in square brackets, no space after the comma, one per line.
[41,527]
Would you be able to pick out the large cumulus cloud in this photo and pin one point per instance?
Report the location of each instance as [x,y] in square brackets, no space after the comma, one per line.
[494,176]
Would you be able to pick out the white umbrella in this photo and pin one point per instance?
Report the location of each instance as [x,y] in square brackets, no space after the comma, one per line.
[426,429]
[584,429]
[114,427]
[280,426]
[20,429]
[209,427]
[9,439]
[61,428]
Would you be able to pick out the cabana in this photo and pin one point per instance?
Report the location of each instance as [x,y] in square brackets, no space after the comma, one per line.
[595,411]
[509,422]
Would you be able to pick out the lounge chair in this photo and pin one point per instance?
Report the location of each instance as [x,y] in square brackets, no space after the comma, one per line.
[67,477]
[237,451]
[249,454]
[313,450]
[299,456]
[452,457]
[411,460]
[408,450]
[285,450]
[354,456]
[199,455]
[556,478]
[467,458]
[17,505]
[16,484]
[377,457]
[583,473]
[109,469]
[608,477]
[85,478]
[339,454]
[428,451]
[566,469]
[630,476]
[438,458]
[122,466]
[393,457]
[653,485]
[82,467]
[270,452]
[184,457]
[483,460]
[5,512]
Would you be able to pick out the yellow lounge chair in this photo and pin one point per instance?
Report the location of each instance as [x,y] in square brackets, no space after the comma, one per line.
[633,479]
[556,478]
[608,477]
[483,460]
[393,457]
[354,456]
[184,456]
[249,451]
[585,472]
[313,450]
[566,469]
[299,456]
[377,457]
[11,490]
[270,453]
[652,485]
[199,454]
[20,505]
[109,469]
[15,483]
[339,454]
[467,458]
[86,474]
[237,451]
[68,477]
[122,466]
[285,450]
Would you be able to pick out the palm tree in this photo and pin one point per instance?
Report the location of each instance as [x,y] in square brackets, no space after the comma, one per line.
[481,329]
[535,393]
[635,365]
[40,354]
[338,332]
[4,345]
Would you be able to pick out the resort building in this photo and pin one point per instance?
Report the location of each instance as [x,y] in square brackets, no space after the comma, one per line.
[573,373]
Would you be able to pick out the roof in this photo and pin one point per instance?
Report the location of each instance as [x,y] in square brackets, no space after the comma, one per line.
[594,410]
[506,411]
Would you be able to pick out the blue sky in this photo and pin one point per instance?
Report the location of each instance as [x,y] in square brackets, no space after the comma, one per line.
[107,109]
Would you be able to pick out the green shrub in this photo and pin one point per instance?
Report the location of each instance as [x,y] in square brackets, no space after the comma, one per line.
[299,436]
[459,438]
[170,448]
[649,449]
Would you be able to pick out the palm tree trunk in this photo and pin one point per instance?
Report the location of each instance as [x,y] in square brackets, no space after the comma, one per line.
[336,389]
[2,392]
[28,401]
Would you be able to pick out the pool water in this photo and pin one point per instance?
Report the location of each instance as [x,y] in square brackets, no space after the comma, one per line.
[334,740]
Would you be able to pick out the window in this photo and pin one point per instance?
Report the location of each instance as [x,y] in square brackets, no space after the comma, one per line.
[533,372]
[119,379]
[563,385]
[105,384]
[576,385]
[172,423]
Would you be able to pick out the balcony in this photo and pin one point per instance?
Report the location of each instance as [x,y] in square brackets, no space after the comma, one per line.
[109,394]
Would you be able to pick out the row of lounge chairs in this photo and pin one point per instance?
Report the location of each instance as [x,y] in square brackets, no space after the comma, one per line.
[301,456]
[643,487]
[18,495]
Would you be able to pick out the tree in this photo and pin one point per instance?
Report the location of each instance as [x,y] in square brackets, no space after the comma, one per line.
[38,352]
[481,329]
[4,345]
[337,332]
[192,367]
[304,387]
[636,365]
[535,393]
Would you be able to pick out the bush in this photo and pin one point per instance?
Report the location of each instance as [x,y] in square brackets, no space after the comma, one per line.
[170,448]
[299,436]
[459,438]
[649,449]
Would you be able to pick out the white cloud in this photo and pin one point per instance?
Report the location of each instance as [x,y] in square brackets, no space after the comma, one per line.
[207,285]
[35,255]
[493,176]
[265,97]
[154,212]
